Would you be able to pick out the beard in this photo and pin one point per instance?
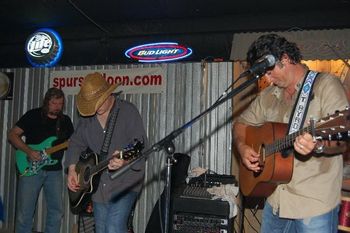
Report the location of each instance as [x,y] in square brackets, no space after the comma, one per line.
[55,112]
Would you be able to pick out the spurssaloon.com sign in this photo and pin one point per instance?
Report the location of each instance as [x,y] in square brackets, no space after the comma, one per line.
[139,80]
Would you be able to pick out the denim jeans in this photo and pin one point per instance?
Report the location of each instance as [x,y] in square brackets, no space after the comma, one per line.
[27,196]
[112,217]
[1,211]
[325,223]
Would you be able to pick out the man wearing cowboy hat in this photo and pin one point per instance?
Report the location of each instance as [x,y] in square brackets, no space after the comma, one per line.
[114,198]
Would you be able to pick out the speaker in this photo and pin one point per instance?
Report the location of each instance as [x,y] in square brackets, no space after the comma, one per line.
[199,215]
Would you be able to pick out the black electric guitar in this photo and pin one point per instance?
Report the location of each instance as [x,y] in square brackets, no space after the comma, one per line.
[89,170]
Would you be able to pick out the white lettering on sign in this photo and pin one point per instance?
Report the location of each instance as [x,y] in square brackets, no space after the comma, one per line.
[157,52]
[39,45]
[140,80]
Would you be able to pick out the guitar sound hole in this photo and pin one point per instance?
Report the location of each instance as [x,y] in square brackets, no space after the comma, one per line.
[87,174]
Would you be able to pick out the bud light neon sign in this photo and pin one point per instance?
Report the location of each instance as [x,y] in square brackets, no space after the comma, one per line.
[158,52]
[44,48]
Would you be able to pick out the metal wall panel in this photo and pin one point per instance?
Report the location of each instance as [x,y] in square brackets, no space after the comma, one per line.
[191,89]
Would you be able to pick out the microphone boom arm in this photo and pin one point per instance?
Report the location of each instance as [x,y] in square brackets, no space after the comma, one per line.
[167,140]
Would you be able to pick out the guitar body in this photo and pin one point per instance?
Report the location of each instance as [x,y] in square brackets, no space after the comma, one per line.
[276,168]
[89,171]
[88,183]
[27,167]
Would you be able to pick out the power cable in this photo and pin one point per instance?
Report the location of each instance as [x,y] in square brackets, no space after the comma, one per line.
[87,17]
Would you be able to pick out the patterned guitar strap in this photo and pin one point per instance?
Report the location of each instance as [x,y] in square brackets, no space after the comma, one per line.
[301,106]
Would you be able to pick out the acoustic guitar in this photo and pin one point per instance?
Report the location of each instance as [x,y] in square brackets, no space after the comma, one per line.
[27,167]
[276,151]
[89,170]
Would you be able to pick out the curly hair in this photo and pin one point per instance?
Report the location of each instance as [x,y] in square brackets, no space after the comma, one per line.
[275,45]
[52,93]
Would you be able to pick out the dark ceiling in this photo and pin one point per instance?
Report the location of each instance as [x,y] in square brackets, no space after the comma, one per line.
[99,31]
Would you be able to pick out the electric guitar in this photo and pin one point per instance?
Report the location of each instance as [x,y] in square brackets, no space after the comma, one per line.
[276,151]
[89,171]
[27,167]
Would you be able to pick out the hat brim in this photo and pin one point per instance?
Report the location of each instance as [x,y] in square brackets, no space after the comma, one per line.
[89,107]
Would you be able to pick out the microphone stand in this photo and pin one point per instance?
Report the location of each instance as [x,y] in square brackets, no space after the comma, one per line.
[167,143]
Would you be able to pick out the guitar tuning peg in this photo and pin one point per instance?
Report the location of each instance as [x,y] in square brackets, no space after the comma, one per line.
[339,136]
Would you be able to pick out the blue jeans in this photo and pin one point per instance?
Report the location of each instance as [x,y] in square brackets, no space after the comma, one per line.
[112,217]
[1,211]
[325,223]
[27,197]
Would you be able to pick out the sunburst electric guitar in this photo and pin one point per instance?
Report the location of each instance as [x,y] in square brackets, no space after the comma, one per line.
[27,167]
[276,151]
[89,169]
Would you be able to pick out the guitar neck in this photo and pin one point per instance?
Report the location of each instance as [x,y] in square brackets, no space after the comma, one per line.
[57,148]
[104,164]
[100,166]
[286,142]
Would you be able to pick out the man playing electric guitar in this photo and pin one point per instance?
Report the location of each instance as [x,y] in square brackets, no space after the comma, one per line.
[309,200]
[39,125]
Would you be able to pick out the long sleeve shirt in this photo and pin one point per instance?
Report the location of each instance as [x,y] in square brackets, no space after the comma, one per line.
[90,134]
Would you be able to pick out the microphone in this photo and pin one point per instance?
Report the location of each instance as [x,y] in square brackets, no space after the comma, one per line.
[260,66]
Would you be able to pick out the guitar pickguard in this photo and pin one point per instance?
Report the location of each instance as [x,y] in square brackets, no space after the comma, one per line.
[35,166]
[27,167]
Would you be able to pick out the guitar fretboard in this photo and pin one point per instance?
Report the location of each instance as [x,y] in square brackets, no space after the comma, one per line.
[286,142]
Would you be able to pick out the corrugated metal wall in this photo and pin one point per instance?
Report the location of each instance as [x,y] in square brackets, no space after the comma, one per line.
[191,88]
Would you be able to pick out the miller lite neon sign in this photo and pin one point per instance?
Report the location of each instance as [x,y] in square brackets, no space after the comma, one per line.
[44,48]
[158,52]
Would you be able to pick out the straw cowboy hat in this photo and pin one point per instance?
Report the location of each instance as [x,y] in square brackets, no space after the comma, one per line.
[93,92]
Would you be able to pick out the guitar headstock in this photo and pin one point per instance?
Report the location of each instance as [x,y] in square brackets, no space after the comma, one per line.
[335,126]
[132,150]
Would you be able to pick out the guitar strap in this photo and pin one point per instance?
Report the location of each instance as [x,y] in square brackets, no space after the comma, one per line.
[59,131]
[112,119]
[301,106]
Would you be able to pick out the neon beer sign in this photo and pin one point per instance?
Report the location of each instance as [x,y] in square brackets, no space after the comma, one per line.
[158,52]
[44,48]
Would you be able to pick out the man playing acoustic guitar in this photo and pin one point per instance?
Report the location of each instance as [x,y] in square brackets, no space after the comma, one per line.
[112,198]
[308,198]
[41,127]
